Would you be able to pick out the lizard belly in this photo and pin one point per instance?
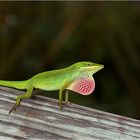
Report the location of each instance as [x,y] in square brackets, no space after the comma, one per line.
[84,86]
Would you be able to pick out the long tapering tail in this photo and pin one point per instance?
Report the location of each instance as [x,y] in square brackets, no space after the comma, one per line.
[14,84]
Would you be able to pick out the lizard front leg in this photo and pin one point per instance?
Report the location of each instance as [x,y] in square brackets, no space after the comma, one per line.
[66,96]
[61,94]
[60,98]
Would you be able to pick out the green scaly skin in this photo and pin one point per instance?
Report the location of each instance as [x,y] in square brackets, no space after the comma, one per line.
[53,80]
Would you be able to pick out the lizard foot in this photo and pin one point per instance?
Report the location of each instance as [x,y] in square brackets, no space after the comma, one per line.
[17,104]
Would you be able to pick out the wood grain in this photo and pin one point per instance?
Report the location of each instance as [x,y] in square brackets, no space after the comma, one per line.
[40,118]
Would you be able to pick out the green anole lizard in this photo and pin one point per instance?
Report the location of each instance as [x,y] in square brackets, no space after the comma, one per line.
[77,77]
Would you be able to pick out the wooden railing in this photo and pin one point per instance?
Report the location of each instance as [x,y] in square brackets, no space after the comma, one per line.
[40,118]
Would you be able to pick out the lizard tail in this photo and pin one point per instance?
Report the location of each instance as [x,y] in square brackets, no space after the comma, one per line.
[14,84]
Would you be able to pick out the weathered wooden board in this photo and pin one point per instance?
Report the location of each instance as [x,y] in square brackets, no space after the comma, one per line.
[40,118]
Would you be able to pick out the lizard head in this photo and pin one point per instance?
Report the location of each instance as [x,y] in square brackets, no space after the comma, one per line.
[88,67]
[84,82]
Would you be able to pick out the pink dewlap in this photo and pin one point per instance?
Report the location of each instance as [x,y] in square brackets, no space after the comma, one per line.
[84,86]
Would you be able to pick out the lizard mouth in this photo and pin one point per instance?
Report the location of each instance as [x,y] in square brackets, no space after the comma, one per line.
[95,68]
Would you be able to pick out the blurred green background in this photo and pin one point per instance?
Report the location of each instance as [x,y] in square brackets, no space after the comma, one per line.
[41,36]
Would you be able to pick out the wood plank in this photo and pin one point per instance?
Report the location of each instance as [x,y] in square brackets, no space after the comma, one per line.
[40,118]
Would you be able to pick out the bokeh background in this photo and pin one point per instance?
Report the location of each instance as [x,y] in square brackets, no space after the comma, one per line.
[41,36]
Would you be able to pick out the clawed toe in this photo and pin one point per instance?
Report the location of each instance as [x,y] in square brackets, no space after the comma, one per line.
[14,108]
[67,103]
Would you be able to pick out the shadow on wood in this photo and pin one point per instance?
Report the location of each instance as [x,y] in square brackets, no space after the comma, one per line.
[40,118]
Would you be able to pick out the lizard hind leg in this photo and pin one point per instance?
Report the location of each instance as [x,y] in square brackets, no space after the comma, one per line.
[19,98]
